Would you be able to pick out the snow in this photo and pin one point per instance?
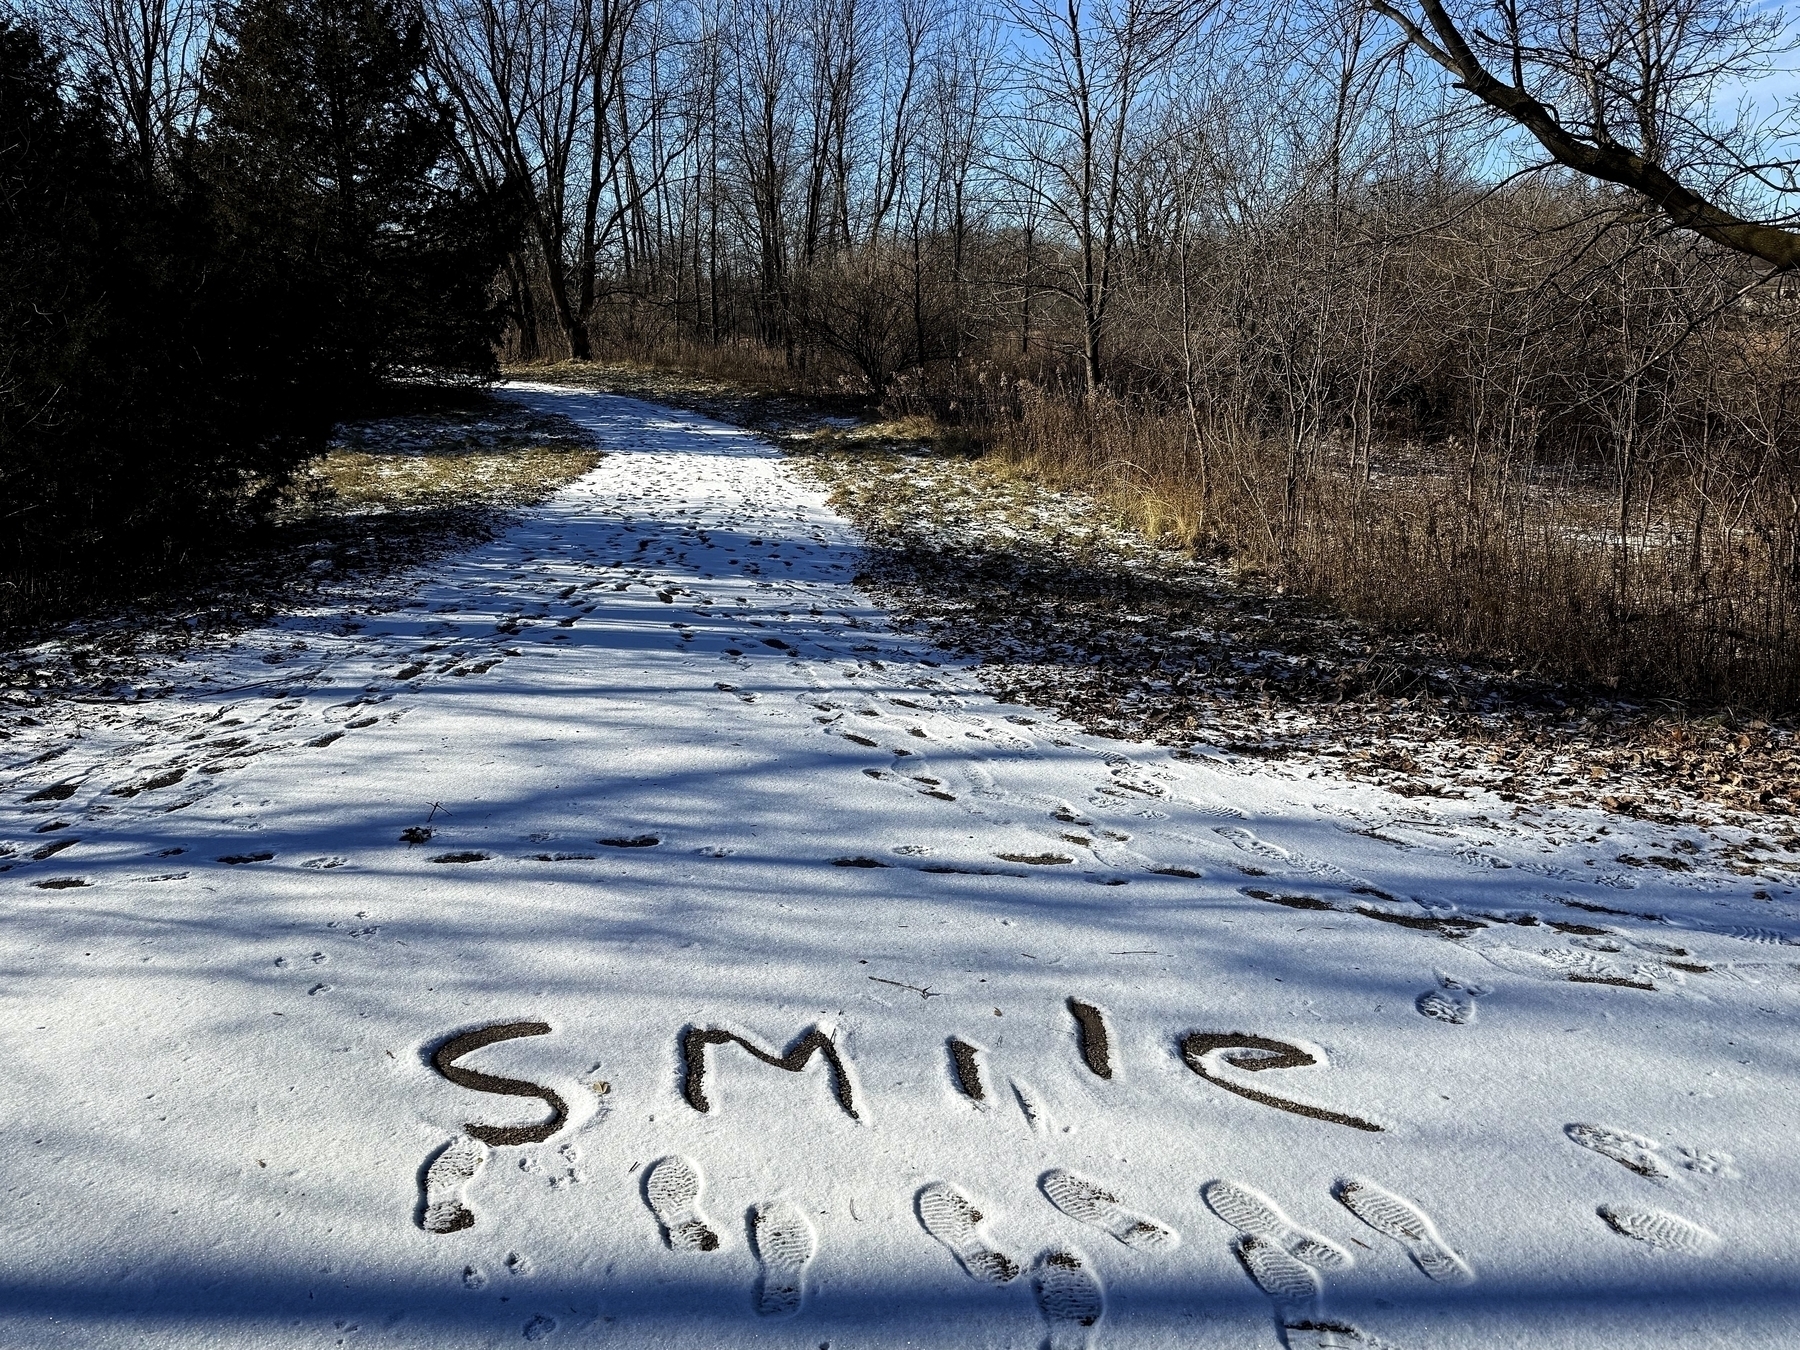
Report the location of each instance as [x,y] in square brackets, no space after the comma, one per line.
[1551,1100]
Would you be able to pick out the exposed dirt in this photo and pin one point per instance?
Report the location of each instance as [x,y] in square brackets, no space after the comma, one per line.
[967,1066]
[694,1041]
[1256,1054]
[444,1058]
[1096,1045]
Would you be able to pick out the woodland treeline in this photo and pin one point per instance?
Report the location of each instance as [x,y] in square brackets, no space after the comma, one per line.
[1477,319]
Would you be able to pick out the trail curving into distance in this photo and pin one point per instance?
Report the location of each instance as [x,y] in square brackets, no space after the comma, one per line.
[844,983]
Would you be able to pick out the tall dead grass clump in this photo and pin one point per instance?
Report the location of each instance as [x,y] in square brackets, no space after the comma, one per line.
[1519,564]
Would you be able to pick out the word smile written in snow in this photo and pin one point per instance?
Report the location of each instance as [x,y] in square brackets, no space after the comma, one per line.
[1210,1054]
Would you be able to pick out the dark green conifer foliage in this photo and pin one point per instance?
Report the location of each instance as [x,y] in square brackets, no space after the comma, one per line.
[359,253]
[117,433]
[174,342]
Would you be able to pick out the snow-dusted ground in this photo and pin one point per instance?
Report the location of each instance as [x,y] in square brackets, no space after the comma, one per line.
[1550,1101]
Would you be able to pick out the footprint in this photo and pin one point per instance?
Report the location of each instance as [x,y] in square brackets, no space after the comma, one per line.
[1660,1229]
[1631,1151]
[1214,808]
[1282,857]
[1400,1220]
[571,1156]
[1577,967]
[1709,1162]
[1255,1215]
[951,1217]
[785,1243]
[451,1171]
[1070,1298]
[1479,861]
[1293,1286]
[1765,936]
[672,1190]
[1090,1203]
[539,1327]
[1452,1001]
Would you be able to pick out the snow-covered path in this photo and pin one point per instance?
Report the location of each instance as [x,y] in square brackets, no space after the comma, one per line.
[679,778]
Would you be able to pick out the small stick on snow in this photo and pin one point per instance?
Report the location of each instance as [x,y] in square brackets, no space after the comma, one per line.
[922,993]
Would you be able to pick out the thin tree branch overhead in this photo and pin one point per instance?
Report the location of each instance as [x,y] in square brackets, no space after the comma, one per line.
[1626,95]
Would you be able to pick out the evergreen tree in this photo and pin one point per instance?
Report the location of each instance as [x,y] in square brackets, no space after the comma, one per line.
[123,427]
[357,251]
[173,344]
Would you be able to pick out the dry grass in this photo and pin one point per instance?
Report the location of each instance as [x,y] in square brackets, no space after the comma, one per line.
[726,371]
[387,494]
[1511,564]
[1069,605]
[492,458]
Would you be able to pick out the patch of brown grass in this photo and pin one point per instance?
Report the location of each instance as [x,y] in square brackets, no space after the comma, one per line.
[387,494]
[1068,605]
[1516,565]
[497,458]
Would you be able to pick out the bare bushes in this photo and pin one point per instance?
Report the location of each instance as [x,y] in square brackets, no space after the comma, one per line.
[1274,287]
[1607,491]
[878,311]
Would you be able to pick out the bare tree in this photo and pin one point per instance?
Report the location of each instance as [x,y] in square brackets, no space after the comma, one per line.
[1085,69]
[538,85]
[145,56]
[837,37]
[1628,92]
[961,93]
[764,52]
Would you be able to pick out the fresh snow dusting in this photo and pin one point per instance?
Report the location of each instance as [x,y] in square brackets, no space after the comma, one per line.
[618,935]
